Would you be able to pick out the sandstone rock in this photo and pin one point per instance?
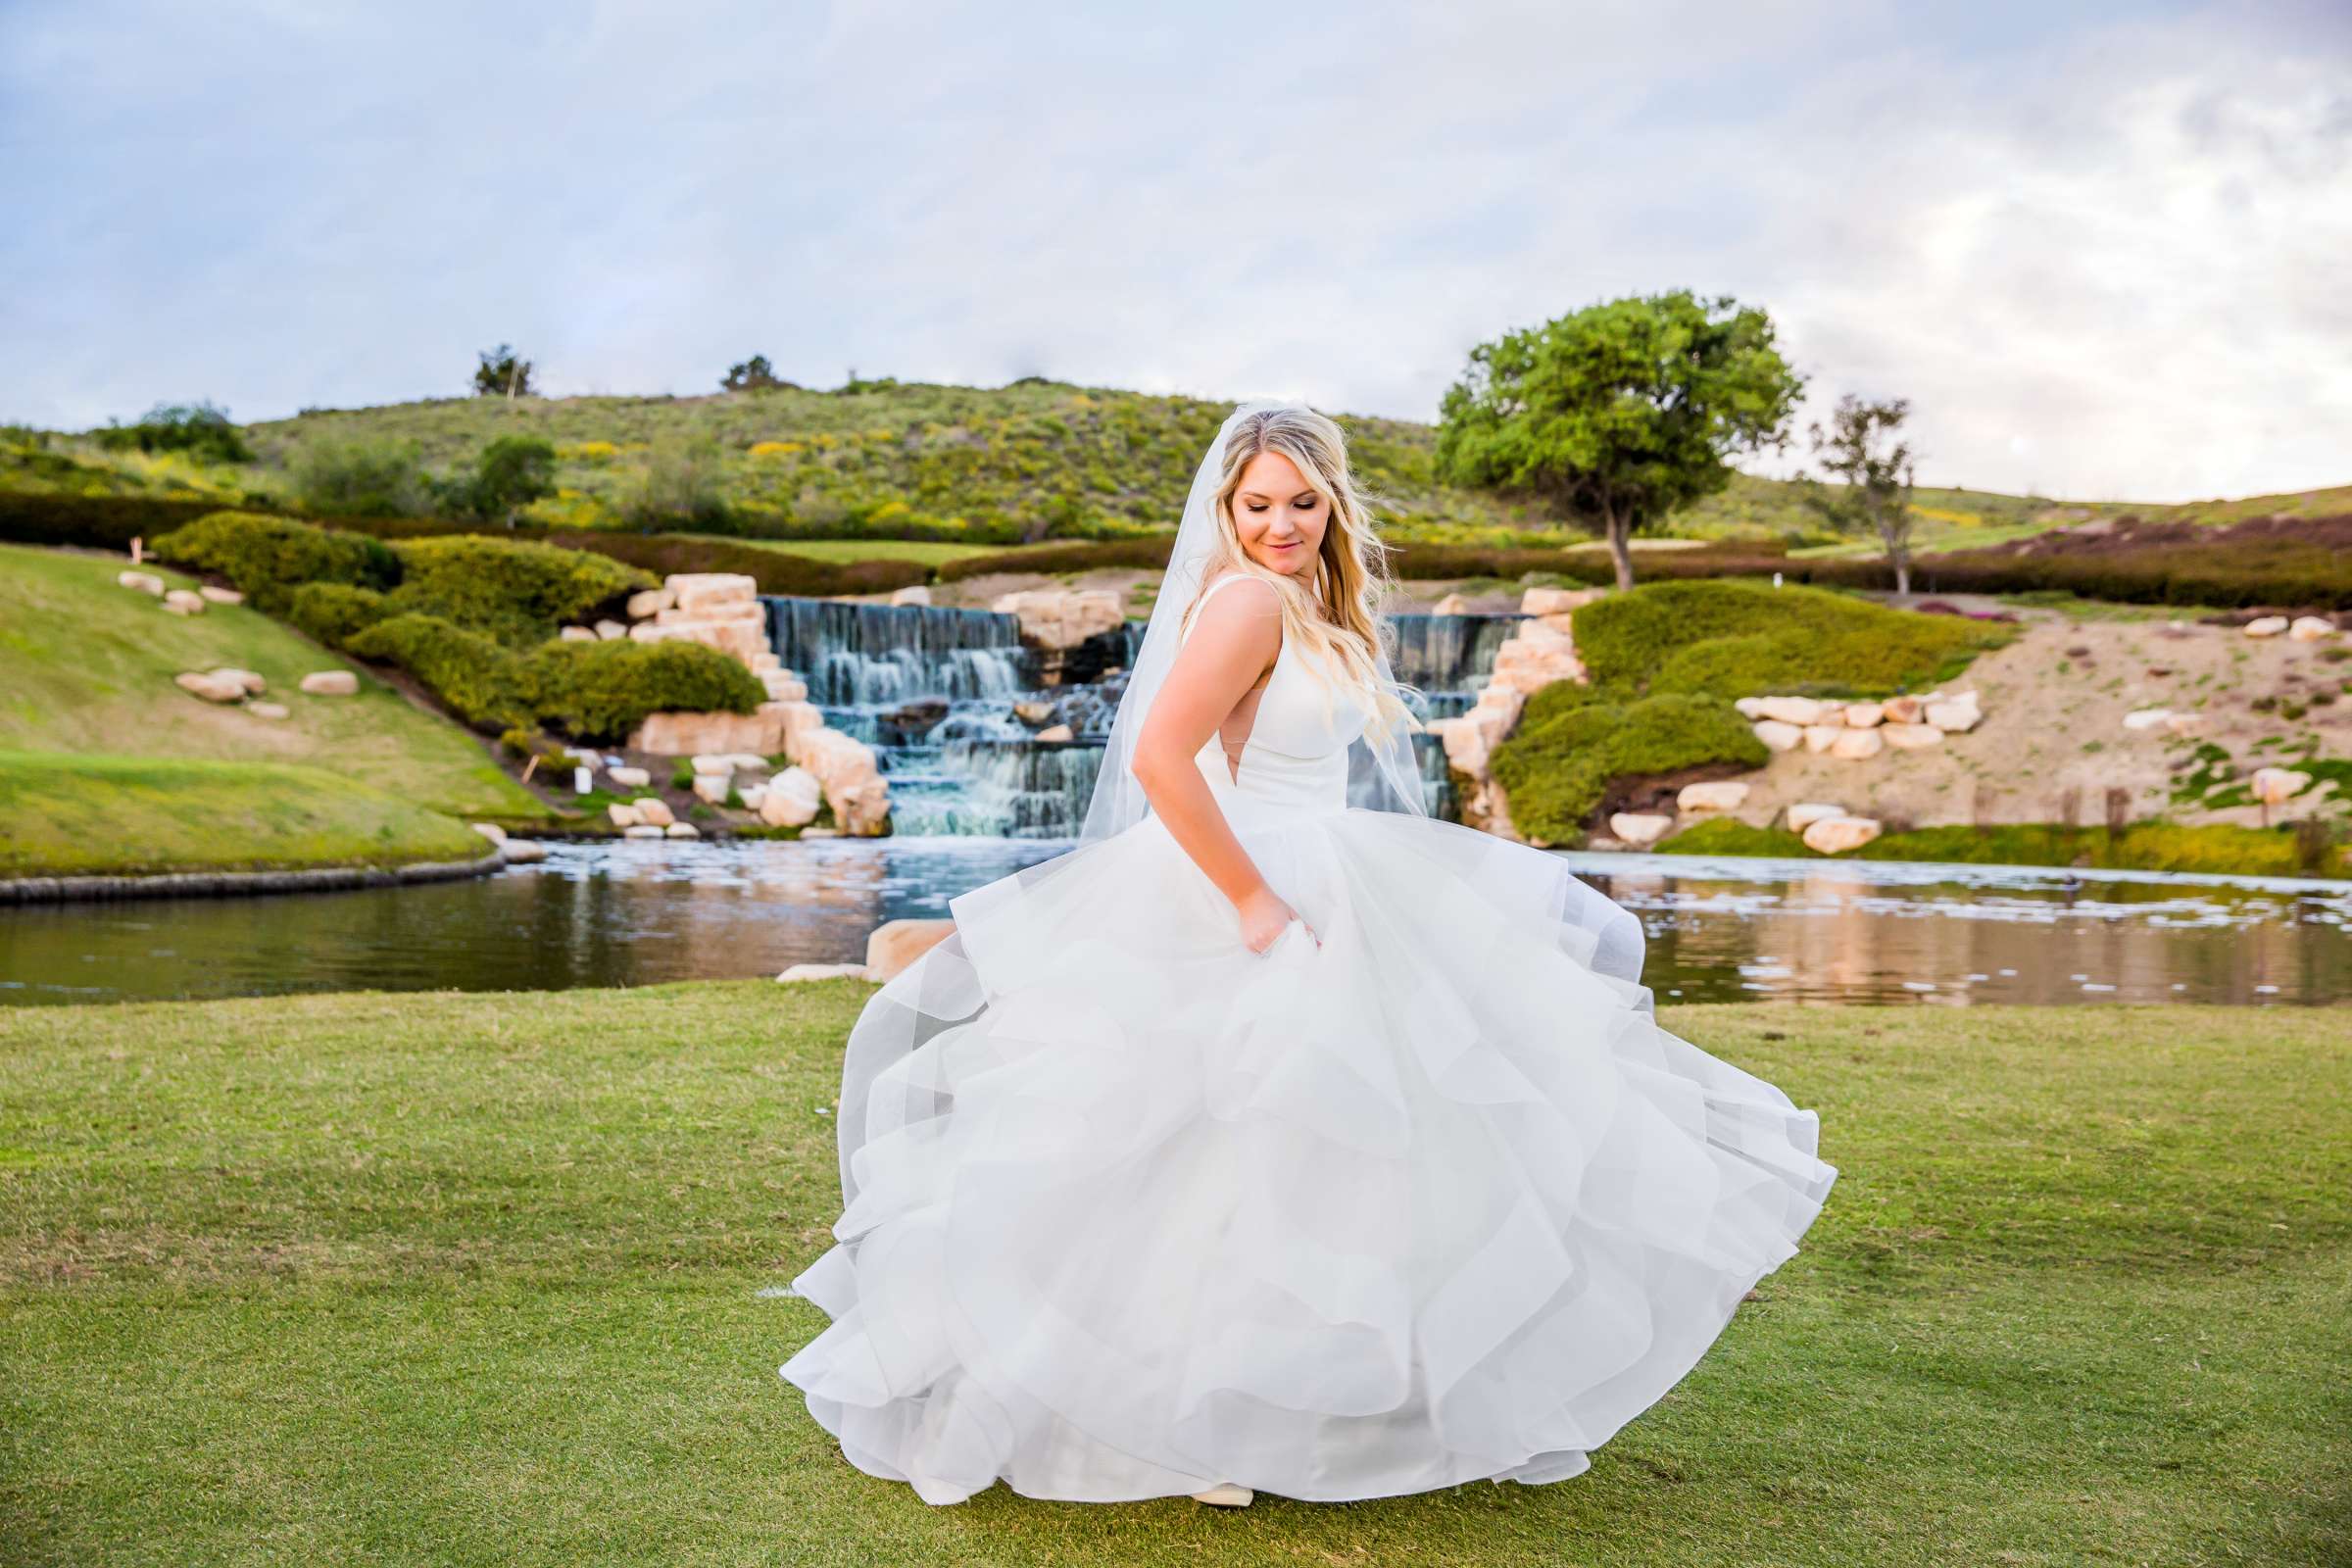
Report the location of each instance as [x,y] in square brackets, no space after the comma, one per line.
[698,592]
[654,809]
[1819,738]
[331,683]
[2311,629]
[791,799]
[682,830]
[522,852]
[629,778]
[643,830]
[1723,796]
[1779,736]
[684,734]
[489,830]
[2265,626]
[1035,714]
[1901,709]
[2273,786]
[181,602]
[146,582]
[611,630]
[213,687]
[2141,718]
[1751,707]
[752,795]
[764,662]
[1640,829]
[623,814]
[741,761]
[1865,715]
[249,680]
[266,709]
[1798,711]
[895,944]
[219,595]
[1835,835]
[1805,813]
[712,789]
[722,763]
[574,634]
[1056,732]
[1450,604]
[1064,617]
[851,775]
[823,972]
[2184,724]
[783,686]
[1953,718]
[648,603]
[918,593]
[1555,601]
[1910,737]
[1858,745]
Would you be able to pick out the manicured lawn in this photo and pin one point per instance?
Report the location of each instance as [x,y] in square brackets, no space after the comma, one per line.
[80,815]
[443,1278]
[2211,848]
[86,667]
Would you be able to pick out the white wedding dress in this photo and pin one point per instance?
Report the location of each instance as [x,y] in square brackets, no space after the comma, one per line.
[1133,1211]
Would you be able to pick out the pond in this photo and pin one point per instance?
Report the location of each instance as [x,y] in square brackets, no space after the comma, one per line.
[644,912]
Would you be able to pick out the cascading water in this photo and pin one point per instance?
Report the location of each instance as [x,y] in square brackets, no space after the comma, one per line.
[952,702]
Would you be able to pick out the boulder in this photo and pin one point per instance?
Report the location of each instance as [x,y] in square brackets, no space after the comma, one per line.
[915,593]
[648,603]
[1910,737]
[823,972]
[1640,829]
[1722,796]
[1865,715]
[1819,738]
[252,681]
[654,809]
[1450,604]
[574,634]
[146,582]
[1777,736]
[682,830]
[611,632]
[2311,629]
[211,687]
[1064,617]
[696,592]
[1749,706]
[2265,626]
[747,759]
[1835,835]
[1953,718]
[331,683]
[2141,718]
[489,830]
[219,595]
[1055,732]
[722,763]
[266,709]
[1805,813]
[1798,711]
[643,830]
[623,814]
[791,799]
[712,789]
[629,778]
[183,602]
[1857,745]
[680,733]
[783,686]
[522,852]
[1556,601]
[895,944]
[2273,786]
[1901,709]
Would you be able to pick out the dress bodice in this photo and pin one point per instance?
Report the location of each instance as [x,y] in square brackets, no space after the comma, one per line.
[1296,756]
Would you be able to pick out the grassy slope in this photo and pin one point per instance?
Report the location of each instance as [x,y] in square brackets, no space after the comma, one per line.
[86,667]
[471,1279]
[74,815]
[1021,450]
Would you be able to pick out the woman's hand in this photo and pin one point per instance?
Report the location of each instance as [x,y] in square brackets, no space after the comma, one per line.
[1264,916]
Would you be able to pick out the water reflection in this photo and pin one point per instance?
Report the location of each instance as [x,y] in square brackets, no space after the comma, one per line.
[644,912]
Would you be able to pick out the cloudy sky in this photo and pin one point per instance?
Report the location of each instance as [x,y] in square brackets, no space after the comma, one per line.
[2104,255]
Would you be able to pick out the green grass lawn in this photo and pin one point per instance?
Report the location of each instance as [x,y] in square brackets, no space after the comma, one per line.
[2215,848]
[80,815]
[443,1278]
[86,667]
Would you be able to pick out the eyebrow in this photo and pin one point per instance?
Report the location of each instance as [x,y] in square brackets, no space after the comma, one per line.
[1262,496]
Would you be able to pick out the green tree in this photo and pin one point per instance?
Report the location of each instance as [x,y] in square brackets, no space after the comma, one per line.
[512,472]
[753,374]
[501,375]
[199,429]
[1873,495]
[1622,414]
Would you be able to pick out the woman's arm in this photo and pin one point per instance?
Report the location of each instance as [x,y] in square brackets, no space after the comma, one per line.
[1237,634]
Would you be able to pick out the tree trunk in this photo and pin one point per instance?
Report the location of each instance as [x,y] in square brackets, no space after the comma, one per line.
[1898,552]
[1621,550]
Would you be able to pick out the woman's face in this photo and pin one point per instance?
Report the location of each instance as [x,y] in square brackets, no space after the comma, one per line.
[1279,517]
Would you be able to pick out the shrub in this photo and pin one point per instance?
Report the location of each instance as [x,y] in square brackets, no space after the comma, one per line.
[95,521]
[1739,639]
[268,557]
[512,472]
[199,429]
[2210,848]
[333,612]
[362,478]
[600,691]
[1572,745]
[516,591]
[478,680]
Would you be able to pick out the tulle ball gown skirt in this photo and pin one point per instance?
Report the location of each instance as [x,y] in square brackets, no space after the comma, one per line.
[1131,1210]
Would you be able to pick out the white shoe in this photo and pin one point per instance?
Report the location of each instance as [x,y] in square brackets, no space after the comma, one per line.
[1225,1494]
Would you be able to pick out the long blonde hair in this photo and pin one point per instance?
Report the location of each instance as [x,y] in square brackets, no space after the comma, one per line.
[1337,619]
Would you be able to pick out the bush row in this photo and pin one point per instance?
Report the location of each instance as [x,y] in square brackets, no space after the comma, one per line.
[2303,849]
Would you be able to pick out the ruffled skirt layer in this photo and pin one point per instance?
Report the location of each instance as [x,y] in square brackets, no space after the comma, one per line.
[1132,1210]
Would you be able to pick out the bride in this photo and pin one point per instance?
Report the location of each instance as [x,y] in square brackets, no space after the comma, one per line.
[1268,1138]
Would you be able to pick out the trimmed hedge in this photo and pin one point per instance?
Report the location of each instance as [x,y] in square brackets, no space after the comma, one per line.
[266,558]
[1744,639]
[600,691]
[333,612]
[2213,849]
[95,522]
[476,677]
[515,590]
[1572,746]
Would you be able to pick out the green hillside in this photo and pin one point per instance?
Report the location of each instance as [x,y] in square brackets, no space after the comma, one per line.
[86,667]
[1031,461]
